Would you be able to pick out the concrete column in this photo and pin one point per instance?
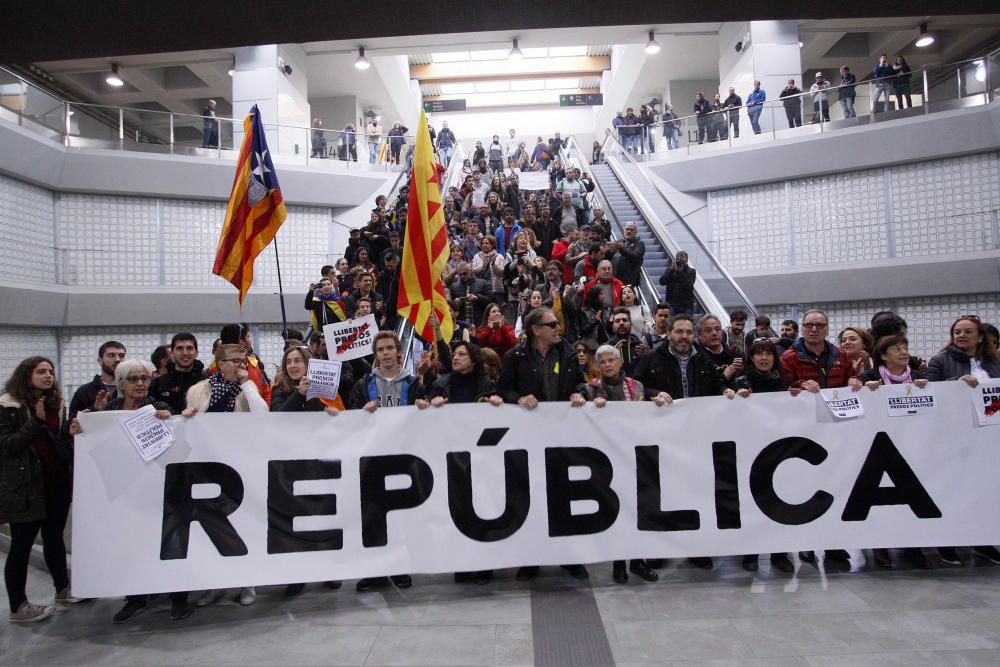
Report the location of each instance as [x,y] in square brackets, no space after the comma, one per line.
[282,97]
[772,57]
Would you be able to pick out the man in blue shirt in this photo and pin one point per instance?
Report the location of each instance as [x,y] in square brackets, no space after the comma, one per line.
[755,105]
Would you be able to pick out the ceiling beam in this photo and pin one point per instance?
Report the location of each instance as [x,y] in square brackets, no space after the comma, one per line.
[527,68]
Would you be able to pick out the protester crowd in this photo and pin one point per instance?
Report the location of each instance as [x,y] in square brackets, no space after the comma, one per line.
[546,308]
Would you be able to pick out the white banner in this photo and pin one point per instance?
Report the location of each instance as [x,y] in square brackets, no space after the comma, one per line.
[533,180]
[272,499]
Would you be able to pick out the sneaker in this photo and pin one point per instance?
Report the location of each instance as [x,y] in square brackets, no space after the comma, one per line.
[371,583]
[949,556]
[401,580]
[248,596]
[291,590]
[782,563]
[131,609]
[179,610]
[210,596]
[64,596]
[989,553]
[750,563]
[30,613]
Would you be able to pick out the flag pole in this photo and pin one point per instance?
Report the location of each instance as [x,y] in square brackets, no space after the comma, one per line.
[281,291]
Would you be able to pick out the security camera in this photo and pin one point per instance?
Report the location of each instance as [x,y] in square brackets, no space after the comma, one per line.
[739,46]
[282,67]
[287,69]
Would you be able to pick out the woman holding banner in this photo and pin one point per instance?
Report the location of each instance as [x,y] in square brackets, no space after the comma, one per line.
[972,358]
[35,482]
[764,374]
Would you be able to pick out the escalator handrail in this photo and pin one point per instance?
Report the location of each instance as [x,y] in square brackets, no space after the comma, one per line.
[697,239]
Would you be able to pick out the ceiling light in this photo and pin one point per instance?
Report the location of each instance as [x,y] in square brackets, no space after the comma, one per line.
[361,62]
[800,45]
[112,79]
[652,46]
[980,73]
[232,67]
[515,52]
[926,38]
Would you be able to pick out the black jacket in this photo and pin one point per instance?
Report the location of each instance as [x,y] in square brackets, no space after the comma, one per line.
[680,285]
[85,395]
[789,100]
[521,373]
[485,387]
[293,401]
[630,256]
[659,370]
[733,102]
[171,387]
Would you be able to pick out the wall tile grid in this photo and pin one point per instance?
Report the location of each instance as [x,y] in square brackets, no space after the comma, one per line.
[27,235]
[191,232]
[18,343]
[946,206]
[928,318]
[839,218]
[750,227]
[109,241]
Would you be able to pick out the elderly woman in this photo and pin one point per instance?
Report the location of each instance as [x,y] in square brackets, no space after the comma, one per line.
[969,356]
[35,447]
[132,380]
[228,390]
[613,385]
[892,366]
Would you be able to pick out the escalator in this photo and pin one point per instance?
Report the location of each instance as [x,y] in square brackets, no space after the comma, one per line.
[628,195]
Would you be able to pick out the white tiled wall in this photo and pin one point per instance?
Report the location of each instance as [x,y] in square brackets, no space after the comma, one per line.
[27,232]
[927,318]
[18,343]
[938,207]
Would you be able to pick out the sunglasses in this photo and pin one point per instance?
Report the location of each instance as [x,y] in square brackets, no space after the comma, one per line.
[551,325]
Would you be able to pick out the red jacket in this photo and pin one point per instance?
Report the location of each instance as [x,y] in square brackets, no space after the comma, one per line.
[559,250]
[616,290]
[499,340]
[799,366]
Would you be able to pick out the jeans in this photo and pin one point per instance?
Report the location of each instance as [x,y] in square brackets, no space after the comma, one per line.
[372,153]
[823,107]
[210,138]
[673,138]
[702,128]
[651,138]
[847,103]
[734,122]
[881,90]
[632,143]
[754,115]
[446,152]
[794,116]
[22,537]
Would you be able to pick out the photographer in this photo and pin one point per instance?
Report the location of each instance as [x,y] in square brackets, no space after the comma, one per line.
[679,281]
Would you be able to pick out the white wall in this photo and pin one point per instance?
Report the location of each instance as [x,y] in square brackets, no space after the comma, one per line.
[530,123]
[336,112]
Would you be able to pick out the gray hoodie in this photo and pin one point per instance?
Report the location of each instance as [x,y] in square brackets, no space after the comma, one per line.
[390,390]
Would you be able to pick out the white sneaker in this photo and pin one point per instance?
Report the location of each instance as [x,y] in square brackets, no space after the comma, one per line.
[65,596]
[30,613]
[248,596]
[209,597]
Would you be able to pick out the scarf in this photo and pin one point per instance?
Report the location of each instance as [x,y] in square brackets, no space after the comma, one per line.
[224,394]
[889,378]
[764,382]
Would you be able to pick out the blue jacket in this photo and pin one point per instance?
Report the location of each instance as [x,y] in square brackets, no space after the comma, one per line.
[503,243]
[882,74]
[756,98]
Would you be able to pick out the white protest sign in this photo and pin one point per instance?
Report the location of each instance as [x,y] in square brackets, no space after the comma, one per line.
[150,435]
[903,400]
[351,339]
[324,378]
[533,180]
[986,399]
[842,402]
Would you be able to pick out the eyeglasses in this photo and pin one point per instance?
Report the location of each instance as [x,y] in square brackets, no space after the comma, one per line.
[136,379]
[238,362]
[552,325]
[814,325]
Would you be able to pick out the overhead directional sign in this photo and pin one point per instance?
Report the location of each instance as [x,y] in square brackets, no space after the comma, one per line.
[434,106]
[583,100]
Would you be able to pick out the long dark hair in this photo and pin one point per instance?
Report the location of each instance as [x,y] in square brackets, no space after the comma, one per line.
[475,354]
[593,298]
[19,385]
[765,345]
[281,379]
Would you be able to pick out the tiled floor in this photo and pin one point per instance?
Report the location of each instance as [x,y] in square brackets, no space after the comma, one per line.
[719,618]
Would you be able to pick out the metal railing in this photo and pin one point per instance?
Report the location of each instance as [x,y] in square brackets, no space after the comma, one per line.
[971,82]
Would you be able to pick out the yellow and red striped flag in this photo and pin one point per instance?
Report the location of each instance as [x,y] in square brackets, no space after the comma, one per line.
[425,247]
[255,212]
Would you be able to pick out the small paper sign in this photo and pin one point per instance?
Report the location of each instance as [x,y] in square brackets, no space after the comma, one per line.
[842,402]
[904,400]
[324,378]
[986,399]
[150,435]
[351,339]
